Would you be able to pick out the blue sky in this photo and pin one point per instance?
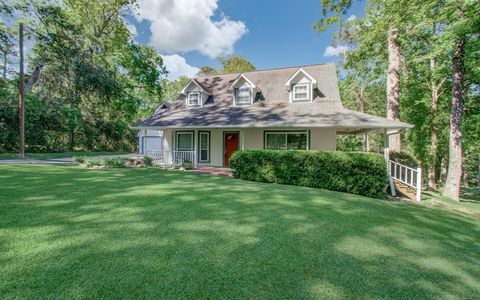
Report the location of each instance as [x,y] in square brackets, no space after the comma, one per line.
[191,33]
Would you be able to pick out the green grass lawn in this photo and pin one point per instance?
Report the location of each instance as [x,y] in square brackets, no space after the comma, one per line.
[4,156]
[67,232]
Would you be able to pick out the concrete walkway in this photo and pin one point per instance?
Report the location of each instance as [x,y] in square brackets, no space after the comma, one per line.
[63,160]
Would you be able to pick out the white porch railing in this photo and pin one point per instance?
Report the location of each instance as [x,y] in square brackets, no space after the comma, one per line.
[172,158]
[406,175]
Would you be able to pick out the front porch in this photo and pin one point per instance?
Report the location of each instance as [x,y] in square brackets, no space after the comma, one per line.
[214,146]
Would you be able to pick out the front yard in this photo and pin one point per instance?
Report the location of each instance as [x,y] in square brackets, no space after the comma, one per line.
[147,233]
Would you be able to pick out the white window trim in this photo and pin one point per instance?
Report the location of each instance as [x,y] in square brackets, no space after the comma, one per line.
[199,99]
[192,134]
[206,133]
[250,98]
[286,133]
[289,81]
[309,92]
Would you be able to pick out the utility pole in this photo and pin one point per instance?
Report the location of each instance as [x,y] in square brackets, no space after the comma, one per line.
[21,102]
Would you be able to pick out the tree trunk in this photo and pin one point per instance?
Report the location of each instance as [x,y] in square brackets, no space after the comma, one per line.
[5,63]
[465,176]
[393,86]
[432,168]
[478,175]
[452,185]
[443,171]
[21,102]
[361,102]
[34,78]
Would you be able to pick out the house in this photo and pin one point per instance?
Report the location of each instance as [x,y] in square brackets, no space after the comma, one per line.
[149,140]
[284,108]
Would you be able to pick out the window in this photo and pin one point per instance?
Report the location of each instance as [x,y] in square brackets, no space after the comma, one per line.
[301,92]
[242,95]
[193,99]
[184,141]
[286,140]
[204,146]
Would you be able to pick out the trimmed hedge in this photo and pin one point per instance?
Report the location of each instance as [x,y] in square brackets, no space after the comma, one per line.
[350,172]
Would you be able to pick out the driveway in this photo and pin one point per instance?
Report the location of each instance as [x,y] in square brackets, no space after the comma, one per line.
[64,160]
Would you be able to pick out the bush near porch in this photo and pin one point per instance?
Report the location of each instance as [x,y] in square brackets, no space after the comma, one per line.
[350,172]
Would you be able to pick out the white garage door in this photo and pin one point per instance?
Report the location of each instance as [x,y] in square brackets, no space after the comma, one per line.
[153,143]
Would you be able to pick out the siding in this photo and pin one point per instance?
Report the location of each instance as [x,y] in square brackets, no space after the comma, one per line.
[252,139]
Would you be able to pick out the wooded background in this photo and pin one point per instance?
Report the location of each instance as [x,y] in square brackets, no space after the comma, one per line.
[87,80]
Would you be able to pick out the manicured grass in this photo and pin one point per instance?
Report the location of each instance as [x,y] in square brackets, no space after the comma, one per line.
[469,202]
[4,156]
[70,233]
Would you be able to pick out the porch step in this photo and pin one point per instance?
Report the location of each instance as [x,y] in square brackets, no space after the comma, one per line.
[405,190]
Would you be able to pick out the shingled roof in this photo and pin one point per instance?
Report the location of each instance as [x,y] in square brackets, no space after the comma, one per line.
[271,107]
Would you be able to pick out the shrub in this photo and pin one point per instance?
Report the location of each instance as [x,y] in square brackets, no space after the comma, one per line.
[147,161]
[187,165]
[93,162]
[79,159]
[403,158]
[350,172]
[116,162]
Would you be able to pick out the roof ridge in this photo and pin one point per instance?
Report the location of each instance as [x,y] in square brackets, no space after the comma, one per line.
[264,70]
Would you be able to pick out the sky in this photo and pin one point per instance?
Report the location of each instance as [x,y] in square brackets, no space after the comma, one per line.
[190,34]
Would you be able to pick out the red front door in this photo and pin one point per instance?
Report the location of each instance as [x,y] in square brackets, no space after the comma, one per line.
[230,140]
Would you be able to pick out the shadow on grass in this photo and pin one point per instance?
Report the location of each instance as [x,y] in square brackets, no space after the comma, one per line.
[146,233]
[470,195]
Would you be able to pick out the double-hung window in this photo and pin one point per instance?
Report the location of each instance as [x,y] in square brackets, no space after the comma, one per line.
[204,146]
[193,99]
[286,140]
[243,95]
[185,141]
[301,92]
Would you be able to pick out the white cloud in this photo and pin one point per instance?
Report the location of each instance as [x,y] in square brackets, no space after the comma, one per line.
[335,51]
[132,28]
[178,66]
[187,25]
[352,18]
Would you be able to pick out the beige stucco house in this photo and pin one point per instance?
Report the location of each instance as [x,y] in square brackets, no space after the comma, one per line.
[284,108]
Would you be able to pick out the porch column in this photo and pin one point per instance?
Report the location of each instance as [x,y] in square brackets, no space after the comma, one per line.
[195,147]
[386,150]
[386,154]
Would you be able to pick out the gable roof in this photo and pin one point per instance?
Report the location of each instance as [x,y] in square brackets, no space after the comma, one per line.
[300,70]
[240,77]
[198,84]
[271,108]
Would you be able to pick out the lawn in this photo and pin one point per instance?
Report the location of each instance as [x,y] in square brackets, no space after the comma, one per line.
[54,155]
[75,233]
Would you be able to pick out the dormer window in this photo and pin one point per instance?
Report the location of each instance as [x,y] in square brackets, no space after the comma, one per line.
[301,92]
[243,95]
[193,99]
[243,90]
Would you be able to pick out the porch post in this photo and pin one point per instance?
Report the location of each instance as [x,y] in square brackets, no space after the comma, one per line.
[195,147]
[419,184]
[386,150]
[386,154]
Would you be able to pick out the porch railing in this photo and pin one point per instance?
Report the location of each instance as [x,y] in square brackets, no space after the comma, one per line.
[406,175]
[172,158]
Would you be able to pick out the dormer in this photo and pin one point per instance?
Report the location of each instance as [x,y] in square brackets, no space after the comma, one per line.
[300,86]
[195,93]
[244,91]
